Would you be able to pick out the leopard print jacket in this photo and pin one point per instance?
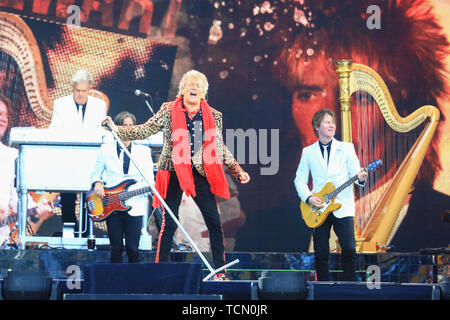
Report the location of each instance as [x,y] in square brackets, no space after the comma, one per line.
[162,121]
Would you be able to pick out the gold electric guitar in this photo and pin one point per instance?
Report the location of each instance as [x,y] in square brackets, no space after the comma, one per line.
[314,217]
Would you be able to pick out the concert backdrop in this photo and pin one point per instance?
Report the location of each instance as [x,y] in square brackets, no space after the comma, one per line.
[270,67]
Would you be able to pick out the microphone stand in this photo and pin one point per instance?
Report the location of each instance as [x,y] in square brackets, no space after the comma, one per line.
[156,193]
[149,106]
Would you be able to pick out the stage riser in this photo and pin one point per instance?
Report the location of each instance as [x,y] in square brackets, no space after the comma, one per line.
[98,289]
[134,297]
[394,267]
[145,278]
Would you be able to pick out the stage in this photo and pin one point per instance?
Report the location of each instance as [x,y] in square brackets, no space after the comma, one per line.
[88,275]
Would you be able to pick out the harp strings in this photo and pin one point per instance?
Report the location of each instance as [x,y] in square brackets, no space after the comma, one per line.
[374,139]
[368,141]
[13,87]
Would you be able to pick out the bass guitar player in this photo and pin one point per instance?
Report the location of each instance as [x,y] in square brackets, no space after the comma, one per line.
[112,167]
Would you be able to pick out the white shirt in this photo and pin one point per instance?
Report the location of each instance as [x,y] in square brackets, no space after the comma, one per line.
[8,194]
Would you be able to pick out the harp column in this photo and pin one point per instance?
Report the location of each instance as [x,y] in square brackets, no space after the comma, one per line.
[343,69]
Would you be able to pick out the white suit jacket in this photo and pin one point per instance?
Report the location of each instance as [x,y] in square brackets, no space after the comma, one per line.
[109,169]
[343,164]
[65,114]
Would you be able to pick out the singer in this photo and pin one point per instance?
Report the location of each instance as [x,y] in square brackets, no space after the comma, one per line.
[191,161]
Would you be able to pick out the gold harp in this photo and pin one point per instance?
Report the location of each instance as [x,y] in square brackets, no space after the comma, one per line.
[18,42]
[23,78]
[21,60]
[379,210]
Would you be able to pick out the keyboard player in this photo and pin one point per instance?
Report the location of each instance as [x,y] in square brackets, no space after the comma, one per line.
[76,112]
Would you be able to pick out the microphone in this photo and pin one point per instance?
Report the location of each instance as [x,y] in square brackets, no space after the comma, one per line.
[146,95]
[141,93]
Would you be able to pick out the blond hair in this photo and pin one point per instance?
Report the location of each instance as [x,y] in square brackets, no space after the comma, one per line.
[195,76]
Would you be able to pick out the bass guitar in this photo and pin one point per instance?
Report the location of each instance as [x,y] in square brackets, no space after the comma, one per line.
[314,217]
[114,200]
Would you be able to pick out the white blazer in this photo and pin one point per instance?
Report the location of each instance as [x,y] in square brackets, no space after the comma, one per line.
[343,164]
[109,169]
[65,114]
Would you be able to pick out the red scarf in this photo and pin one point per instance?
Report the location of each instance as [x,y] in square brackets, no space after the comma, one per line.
[181,156]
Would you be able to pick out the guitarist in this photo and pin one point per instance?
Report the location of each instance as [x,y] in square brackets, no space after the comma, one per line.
[112,167]
[330,160]
[8,193]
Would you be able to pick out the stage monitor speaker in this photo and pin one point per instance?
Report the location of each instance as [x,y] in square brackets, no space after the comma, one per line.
[27,285]
[361,291]
[230,290]
[142,278]
[121,296]
[282,285]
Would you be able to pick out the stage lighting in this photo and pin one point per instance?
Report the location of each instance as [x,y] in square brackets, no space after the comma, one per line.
[27,285]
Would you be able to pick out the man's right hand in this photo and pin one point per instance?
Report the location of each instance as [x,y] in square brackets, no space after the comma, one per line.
[316,202]
[99,189]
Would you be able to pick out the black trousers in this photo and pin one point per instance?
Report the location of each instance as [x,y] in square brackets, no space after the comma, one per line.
[68,207]
[206,202]
[345,231]
[120,224]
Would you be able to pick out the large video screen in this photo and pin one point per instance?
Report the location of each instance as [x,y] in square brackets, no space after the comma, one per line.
[270,66]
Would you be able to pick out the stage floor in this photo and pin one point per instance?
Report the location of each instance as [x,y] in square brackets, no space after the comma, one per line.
[409,276]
